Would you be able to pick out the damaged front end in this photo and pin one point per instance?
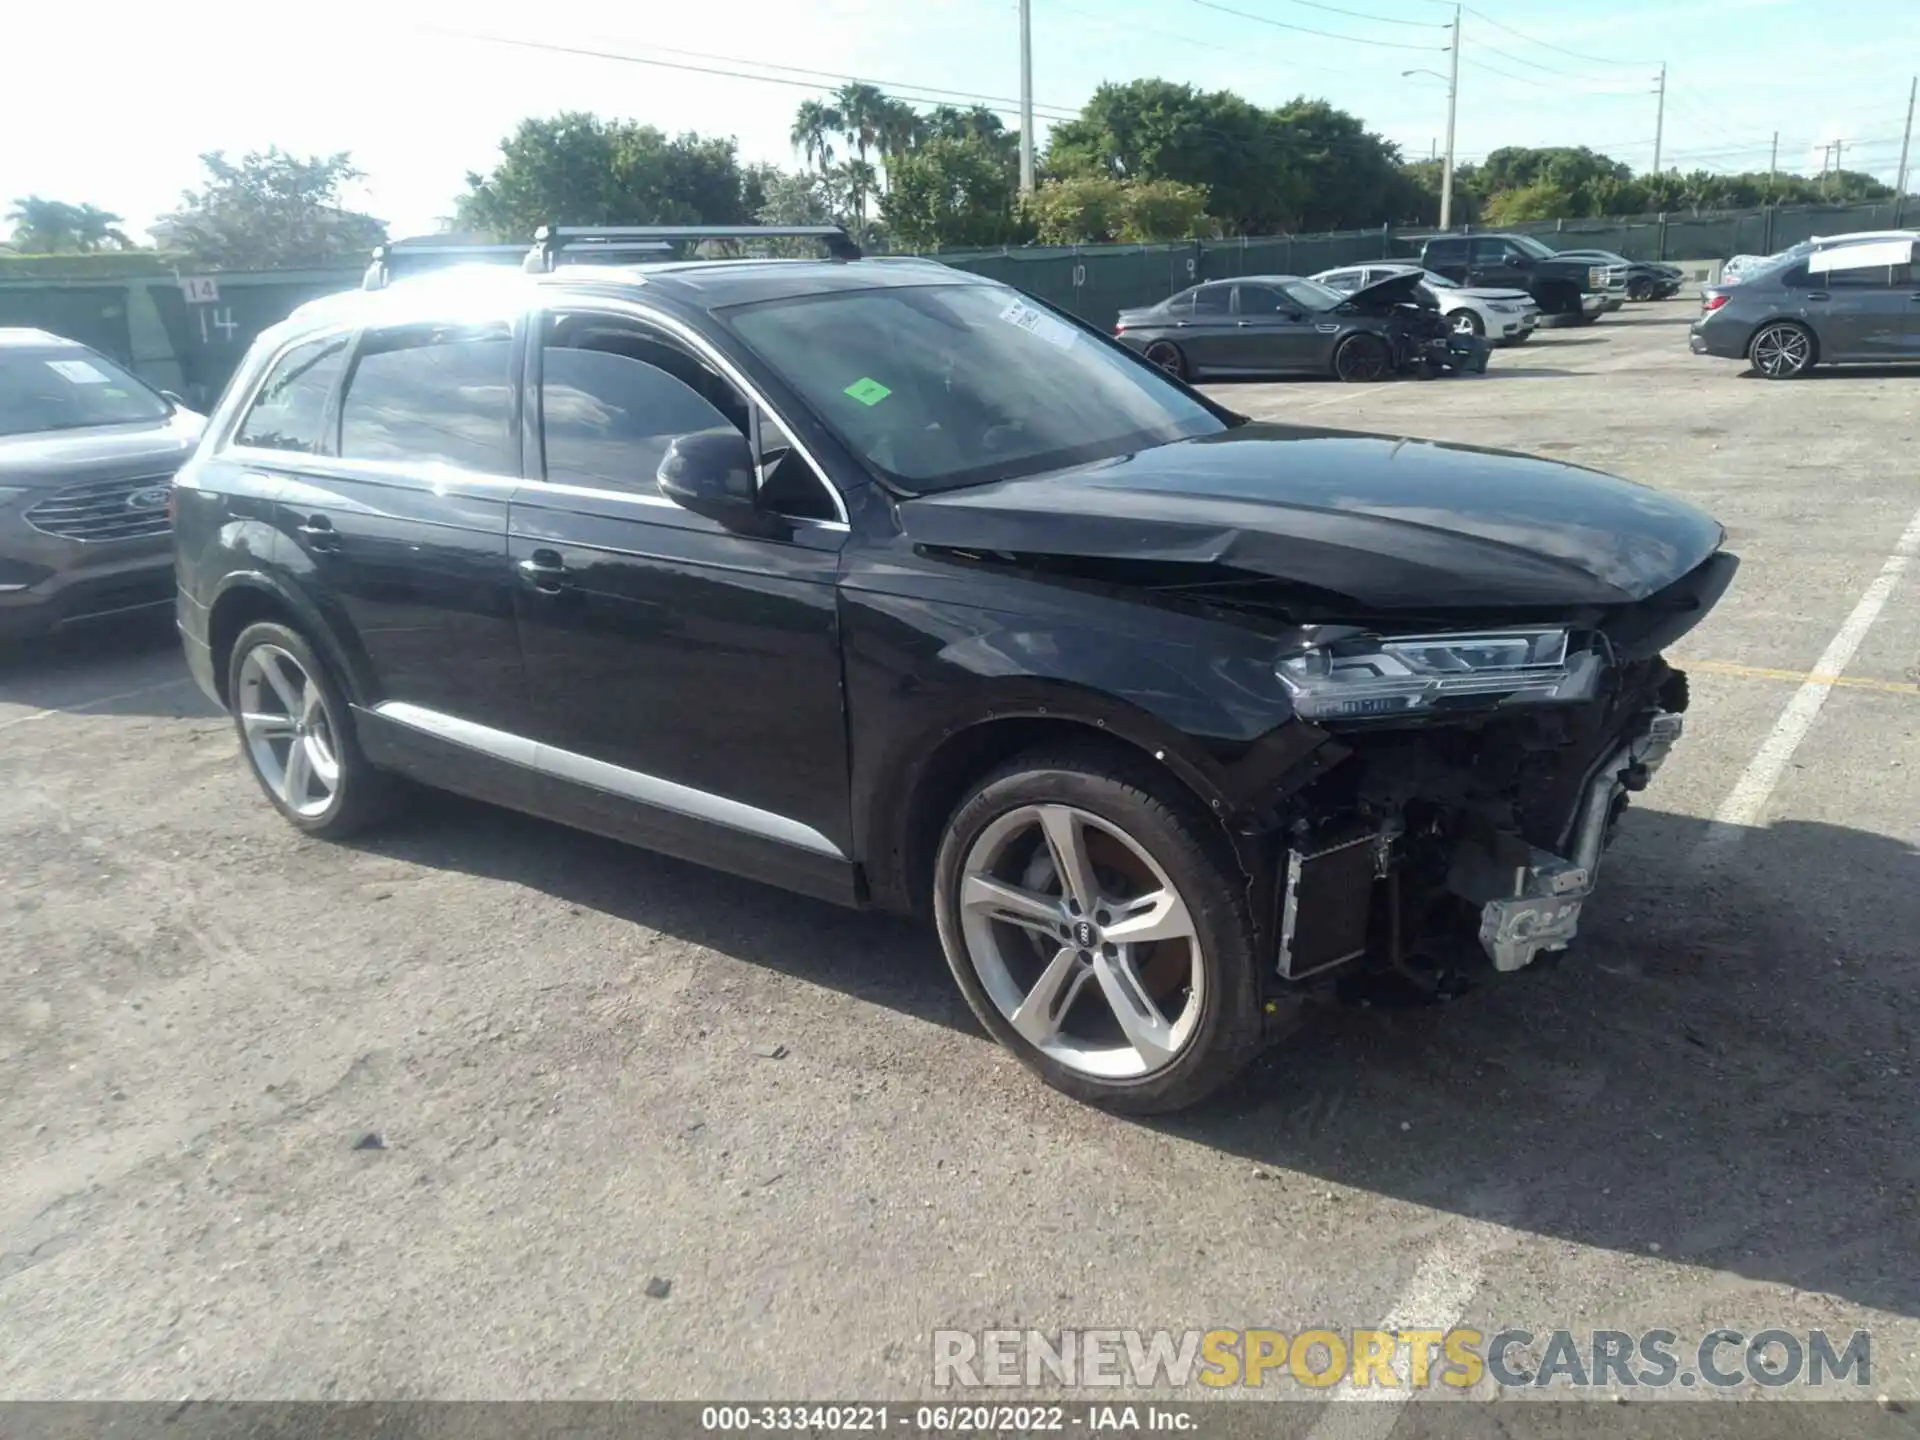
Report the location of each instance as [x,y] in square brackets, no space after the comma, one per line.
[1469,784]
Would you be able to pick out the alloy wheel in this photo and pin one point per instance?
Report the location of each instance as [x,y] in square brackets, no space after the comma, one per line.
[289,731]
[1082,941]
[1361,358]
[1168,357]
[1780,351]
[1465,322]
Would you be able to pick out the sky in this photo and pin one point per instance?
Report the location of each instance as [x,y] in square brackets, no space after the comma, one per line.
[422,91]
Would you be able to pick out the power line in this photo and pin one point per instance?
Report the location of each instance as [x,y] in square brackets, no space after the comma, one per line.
[1548,45]
[1001,104]
[1130,28]
[1538,84]
[1362,15]
[1307,30]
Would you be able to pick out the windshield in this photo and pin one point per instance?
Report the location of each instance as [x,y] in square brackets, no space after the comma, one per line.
[1312,294]
[1533,247]
[1437,282]
[65,387]
[940,386]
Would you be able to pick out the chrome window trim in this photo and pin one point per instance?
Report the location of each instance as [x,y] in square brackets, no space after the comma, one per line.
[697,343]
[224,441]
[668,795]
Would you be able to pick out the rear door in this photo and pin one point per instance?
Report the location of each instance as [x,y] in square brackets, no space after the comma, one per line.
[1448,257]
[399,532]
[1208,335]
[1272,332]
[1868,313]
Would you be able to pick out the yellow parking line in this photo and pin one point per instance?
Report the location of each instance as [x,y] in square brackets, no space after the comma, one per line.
[1800,677]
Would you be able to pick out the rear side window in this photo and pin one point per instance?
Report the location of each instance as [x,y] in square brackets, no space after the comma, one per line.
[1212,299]
[432,395]
[290,412]
[1446,252]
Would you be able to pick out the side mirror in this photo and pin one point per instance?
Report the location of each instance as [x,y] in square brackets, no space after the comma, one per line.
[178,402]
[710,472]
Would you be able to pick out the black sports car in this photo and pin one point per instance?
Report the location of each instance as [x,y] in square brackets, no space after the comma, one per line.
[1646,279]
[1287,325]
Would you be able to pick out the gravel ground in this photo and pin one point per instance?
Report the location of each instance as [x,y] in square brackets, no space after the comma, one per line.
[430,1115]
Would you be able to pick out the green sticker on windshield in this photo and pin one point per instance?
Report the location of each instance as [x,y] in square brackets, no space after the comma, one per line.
[868,392]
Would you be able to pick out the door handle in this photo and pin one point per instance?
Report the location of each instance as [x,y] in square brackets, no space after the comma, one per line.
[1818,295]
[545,571]
[1915,297]
[319,533]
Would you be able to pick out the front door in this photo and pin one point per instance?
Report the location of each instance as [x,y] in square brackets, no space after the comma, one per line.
[1499,264]
[399,530]
[1272,332]
[685,680]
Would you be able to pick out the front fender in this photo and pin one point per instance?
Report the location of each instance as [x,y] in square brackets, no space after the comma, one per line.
[922,676]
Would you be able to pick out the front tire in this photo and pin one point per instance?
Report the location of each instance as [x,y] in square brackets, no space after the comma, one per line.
[296,734]
[1098,927]
[1781,350]
[1640,290]
[1169,357]
[1362,359]
[1467,322]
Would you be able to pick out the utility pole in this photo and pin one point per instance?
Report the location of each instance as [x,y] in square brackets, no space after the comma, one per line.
[1026,97]
[1906,143]
[1773,164]
[1453,98]
[1660,118]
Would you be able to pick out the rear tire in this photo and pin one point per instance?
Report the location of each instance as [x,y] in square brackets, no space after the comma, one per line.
[1136,1026]
[1782,350]
[1169,357]
[296,734]
[1362,359]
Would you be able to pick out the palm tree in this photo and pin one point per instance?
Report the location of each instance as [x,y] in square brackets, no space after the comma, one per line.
[814,126]
[900,129]
[45,226]
[94,229]
[862,110]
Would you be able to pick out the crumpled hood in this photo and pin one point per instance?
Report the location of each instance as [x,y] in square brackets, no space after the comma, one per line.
[1388,523]
[63,457]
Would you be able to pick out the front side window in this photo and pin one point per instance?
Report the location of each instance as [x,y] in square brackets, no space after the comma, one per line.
[67,387]
[1527,245]
[1490,252]
[432,395]
[1446,252]
[938,386]
[290,412]
[612,399]
[1262,300]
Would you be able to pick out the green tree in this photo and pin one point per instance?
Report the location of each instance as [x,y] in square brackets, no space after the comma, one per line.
[951,192]
[1541,199]
[578,169]
[53,227]
[1098,210]
[271,210]
[816,124]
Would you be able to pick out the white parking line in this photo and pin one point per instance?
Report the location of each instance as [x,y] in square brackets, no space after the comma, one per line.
[96,701]
[1750,793]
[1435,1299]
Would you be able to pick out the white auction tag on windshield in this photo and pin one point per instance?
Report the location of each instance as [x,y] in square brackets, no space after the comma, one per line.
[78,371]
[1038,322]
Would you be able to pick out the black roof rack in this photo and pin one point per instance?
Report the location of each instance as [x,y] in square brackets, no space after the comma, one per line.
[403,257]
[551,241]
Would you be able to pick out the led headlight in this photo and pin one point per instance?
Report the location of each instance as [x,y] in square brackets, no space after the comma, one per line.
[1348,673]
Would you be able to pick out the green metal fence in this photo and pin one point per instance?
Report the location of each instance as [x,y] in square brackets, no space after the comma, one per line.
[187,333]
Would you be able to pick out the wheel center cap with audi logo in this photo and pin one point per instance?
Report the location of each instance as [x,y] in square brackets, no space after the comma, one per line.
[1084,934]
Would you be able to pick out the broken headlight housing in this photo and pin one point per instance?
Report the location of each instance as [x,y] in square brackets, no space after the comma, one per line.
[1339,672]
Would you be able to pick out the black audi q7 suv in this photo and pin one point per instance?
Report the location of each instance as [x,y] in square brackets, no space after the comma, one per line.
[87,453]
[886,583]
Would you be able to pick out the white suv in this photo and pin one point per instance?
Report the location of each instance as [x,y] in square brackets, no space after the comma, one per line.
[1505,317]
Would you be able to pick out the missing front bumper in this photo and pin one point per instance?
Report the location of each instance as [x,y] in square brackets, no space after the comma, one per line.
[1535,904]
